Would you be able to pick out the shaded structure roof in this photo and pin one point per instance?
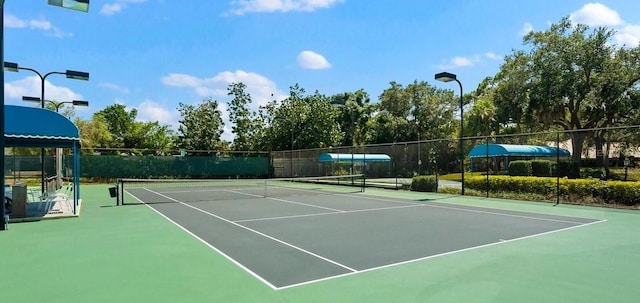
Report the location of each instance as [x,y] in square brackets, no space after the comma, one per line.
[329,157]
[38,127]
[497,150]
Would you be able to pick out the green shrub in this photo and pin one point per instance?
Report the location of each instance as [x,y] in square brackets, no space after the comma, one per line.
[620,192]
[541,168]
[574,190]
[424,183]
[569,169]
[519,184]
[520,168]
[591,172]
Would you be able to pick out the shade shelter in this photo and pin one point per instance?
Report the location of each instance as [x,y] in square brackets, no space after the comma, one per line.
[39,127]
[510,151]
[354,161]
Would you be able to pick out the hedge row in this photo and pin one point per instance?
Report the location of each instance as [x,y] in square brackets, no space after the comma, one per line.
[609,192]
[544,168]
[424,183]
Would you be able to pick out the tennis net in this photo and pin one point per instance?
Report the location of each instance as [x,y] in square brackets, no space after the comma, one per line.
[151,191]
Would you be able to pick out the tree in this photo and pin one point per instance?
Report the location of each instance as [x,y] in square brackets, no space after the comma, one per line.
[418,110]
[432,110]
[308,120]
[67,111]
[152,135]
[94,133]
[572,78]
[201,126]
[245,122]
[355,111]
[128,133]
[120,124]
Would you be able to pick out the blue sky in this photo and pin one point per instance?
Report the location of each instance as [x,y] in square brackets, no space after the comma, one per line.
[153,54]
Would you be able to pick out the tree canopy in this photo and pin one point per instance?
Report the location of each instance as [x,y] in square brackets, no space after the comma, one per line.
[569,77]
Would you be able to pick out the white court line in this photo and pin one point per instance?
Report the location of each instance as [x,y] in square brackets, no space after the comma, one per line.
[508,215]
[366,197]
[207,244]
[256,232]
[502,241]
[325,214]
[487,211]
[286,201]
[354,271]
[189,191]
[305,204]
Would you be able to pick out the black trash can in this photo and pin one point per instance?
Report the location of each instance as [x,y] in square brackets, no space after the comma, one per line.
[113,192]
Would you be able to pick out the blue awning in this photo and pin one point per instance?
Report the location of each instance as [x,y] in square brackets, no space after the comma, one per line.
[38,127]
[496,150]
[328,157]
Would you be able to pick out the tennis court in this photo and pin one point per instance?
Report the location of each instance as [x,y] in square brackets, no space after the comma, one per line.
[288,234]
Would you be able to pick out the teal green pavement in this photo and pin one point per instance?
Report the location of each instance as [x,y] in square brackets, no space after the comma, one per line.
[132,254]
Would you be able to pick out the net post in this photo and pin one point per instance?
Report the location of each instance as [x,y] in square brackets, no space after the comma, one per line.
[121,191]
[265,188]
[117,191]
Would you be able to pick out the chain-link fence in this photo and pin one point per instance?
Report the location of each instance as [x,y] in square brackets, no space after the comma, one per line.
[597,154]
[607,154]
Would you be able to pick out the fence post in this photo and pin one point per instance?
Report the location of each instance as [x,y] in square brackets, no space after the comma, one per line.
[557,168]
[487,163]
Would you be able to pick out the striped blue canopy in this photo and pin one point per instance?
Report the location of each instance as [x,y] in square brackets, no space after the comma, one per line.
[38,127]
[496,150]
[329,157]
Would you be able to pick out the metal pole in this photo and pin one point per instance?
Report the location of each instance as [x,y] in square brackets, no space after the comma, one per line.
[419,155]
[291,162]
[557,168]
[487,159]
[3,223]
[461,136]
[42,173]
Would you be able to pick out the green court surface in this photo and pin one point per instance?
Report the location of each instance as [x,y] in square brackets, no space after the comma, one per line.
[132,254]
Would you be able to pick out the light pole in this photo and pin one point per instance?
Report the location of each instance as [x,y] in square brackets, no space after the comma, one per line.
[419,155]
[57,105]
[71,74]
[79,5]
[448,77]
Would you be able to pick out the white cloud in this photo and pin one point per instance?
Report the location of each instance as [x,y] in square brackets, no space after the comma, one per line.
[492,56]
[150,111]
[11,21]
[111,8]
[628,35]
[261,89]
[596,14]
[30,86]
[115,87]
[456,62]
[312,60]
[40,24]
[283,6]
[461,61]
[526,28]
[117,6]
